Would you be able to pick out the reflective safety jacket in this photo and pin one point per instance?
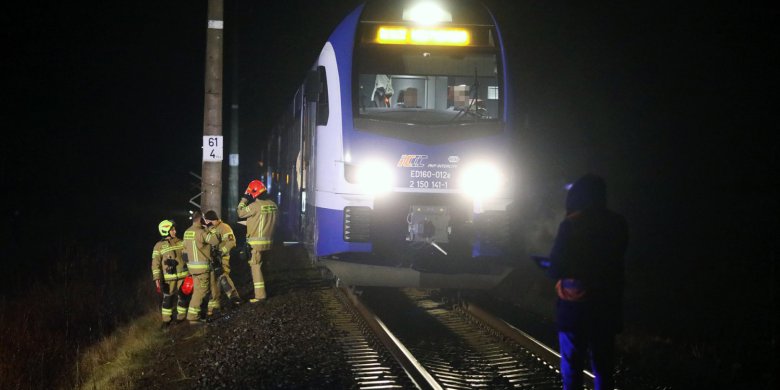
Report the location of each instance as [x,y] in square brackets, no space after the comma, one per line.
[260,217]
[227,240]
[167,262]
[197,249]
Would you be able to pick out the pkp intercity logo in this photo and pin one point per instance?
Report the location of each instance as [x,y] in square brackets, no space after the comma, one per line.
[412,160]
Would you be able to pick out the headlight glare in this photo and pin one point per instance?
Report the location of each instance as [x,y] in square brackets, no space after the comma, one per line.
[375,177]
[481,180]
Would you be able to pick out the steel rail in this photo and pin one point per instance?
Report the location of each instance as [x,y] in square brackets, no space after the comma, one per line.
[416,372]
[525,340]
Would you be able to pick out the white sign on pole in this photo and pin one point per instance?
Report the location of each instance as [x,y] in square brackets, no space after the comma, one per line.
[212,148]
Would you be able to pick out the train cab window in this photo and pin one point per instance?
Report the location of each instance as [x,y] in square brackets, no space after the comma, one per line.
[427,87]
[322,102]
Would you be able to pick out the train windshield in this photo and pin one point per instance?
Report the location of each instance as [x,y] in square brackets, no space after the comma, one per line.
[419,86]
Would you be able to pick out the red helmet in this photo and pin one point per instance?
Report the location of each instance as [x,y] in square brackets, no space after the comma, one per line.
[186,287]
[255,188]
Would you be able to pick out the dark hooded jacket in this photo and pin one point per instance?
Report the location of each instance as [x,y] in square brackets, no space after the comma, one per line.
[587,259]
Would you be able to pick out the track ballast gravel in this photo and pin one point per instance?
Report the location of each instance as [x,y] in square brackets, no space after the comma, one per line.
[284,342]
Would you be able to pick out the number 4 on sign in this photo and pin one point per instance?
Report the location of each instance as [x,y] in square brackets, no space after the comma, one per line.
[212,148]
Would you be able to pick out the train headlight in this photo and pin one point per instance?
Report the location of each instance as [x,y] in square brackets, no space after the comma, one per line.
[375,177]
[427,12]
[482,180]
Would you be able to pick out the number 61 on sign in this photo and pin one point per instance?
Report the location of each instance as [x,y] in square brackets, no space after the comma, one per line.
[212,148]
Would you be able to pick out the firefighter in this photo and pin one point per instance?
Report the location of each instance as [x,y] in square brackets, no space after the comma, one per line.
[220,279]
[261,213]
[197,248]
[169,271]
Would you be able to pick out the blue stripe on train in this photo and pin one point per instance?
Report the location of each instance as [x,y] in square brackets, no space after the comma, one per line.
[330,235]
[343,41]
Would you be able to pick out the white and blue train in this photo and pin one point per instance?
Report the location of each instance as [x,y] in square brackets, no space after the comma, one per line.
[393,163]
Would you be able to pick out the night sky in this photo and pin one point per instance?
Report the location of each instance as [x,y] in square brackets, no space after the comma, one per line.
[668,101]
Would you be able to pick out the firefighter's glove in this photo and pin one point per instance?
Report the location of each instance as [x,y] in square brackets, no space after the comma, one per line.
[157,286]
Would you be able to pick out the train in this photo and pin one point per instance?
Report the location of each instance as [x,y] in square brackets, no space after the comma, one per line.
[393,163]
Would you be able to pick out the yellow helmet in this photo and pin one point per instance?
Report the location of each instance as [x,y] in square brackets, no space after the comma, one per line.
[165,227]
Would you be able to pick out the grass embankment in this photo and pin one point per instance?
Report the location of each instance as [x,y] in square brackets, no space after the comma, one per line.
[111,363]
[54,313]
[119,358]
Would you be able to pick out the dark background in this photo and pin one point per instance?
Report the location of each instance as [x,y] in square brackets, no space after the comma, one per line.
[670,102]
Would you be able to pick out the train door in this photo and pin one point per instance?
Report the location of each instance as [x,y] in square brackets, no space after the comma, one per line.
[308,132]
[316,114]
[294,173]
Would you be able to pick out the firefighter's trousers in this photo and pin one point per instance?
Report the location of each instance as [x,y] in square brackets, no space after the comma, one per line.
[171,293]
[215,293]
[226,269]
[200,289]
[216,289]
[257,274]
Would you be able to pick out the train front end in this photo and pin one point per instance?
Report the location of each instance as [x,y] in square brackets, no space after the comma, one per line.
[425,154]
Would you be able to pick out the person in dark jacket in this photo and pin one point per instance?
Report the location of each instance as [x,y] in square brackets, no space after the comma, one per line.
[587,261]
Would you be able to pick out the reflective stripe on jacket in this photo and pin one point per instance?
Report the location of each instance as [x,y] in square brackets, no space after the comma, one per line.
[197,247]
[227,240]
[260,217]
[168,248]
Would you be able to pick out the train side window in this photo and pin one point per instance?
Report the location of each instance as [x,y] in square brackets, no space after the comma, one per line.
[322,102]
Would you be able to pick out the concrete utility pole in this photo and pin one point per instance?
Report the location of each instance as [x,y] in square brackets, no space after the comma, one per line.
[233,161]
[211,184]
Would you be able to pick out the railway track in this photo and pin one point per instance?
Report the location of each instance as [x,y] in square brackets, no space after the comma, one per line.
[433,344]
[371,364]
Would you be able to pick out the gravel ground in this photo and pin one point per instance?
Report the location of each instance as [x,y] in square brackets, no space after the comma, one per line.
[285,342]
